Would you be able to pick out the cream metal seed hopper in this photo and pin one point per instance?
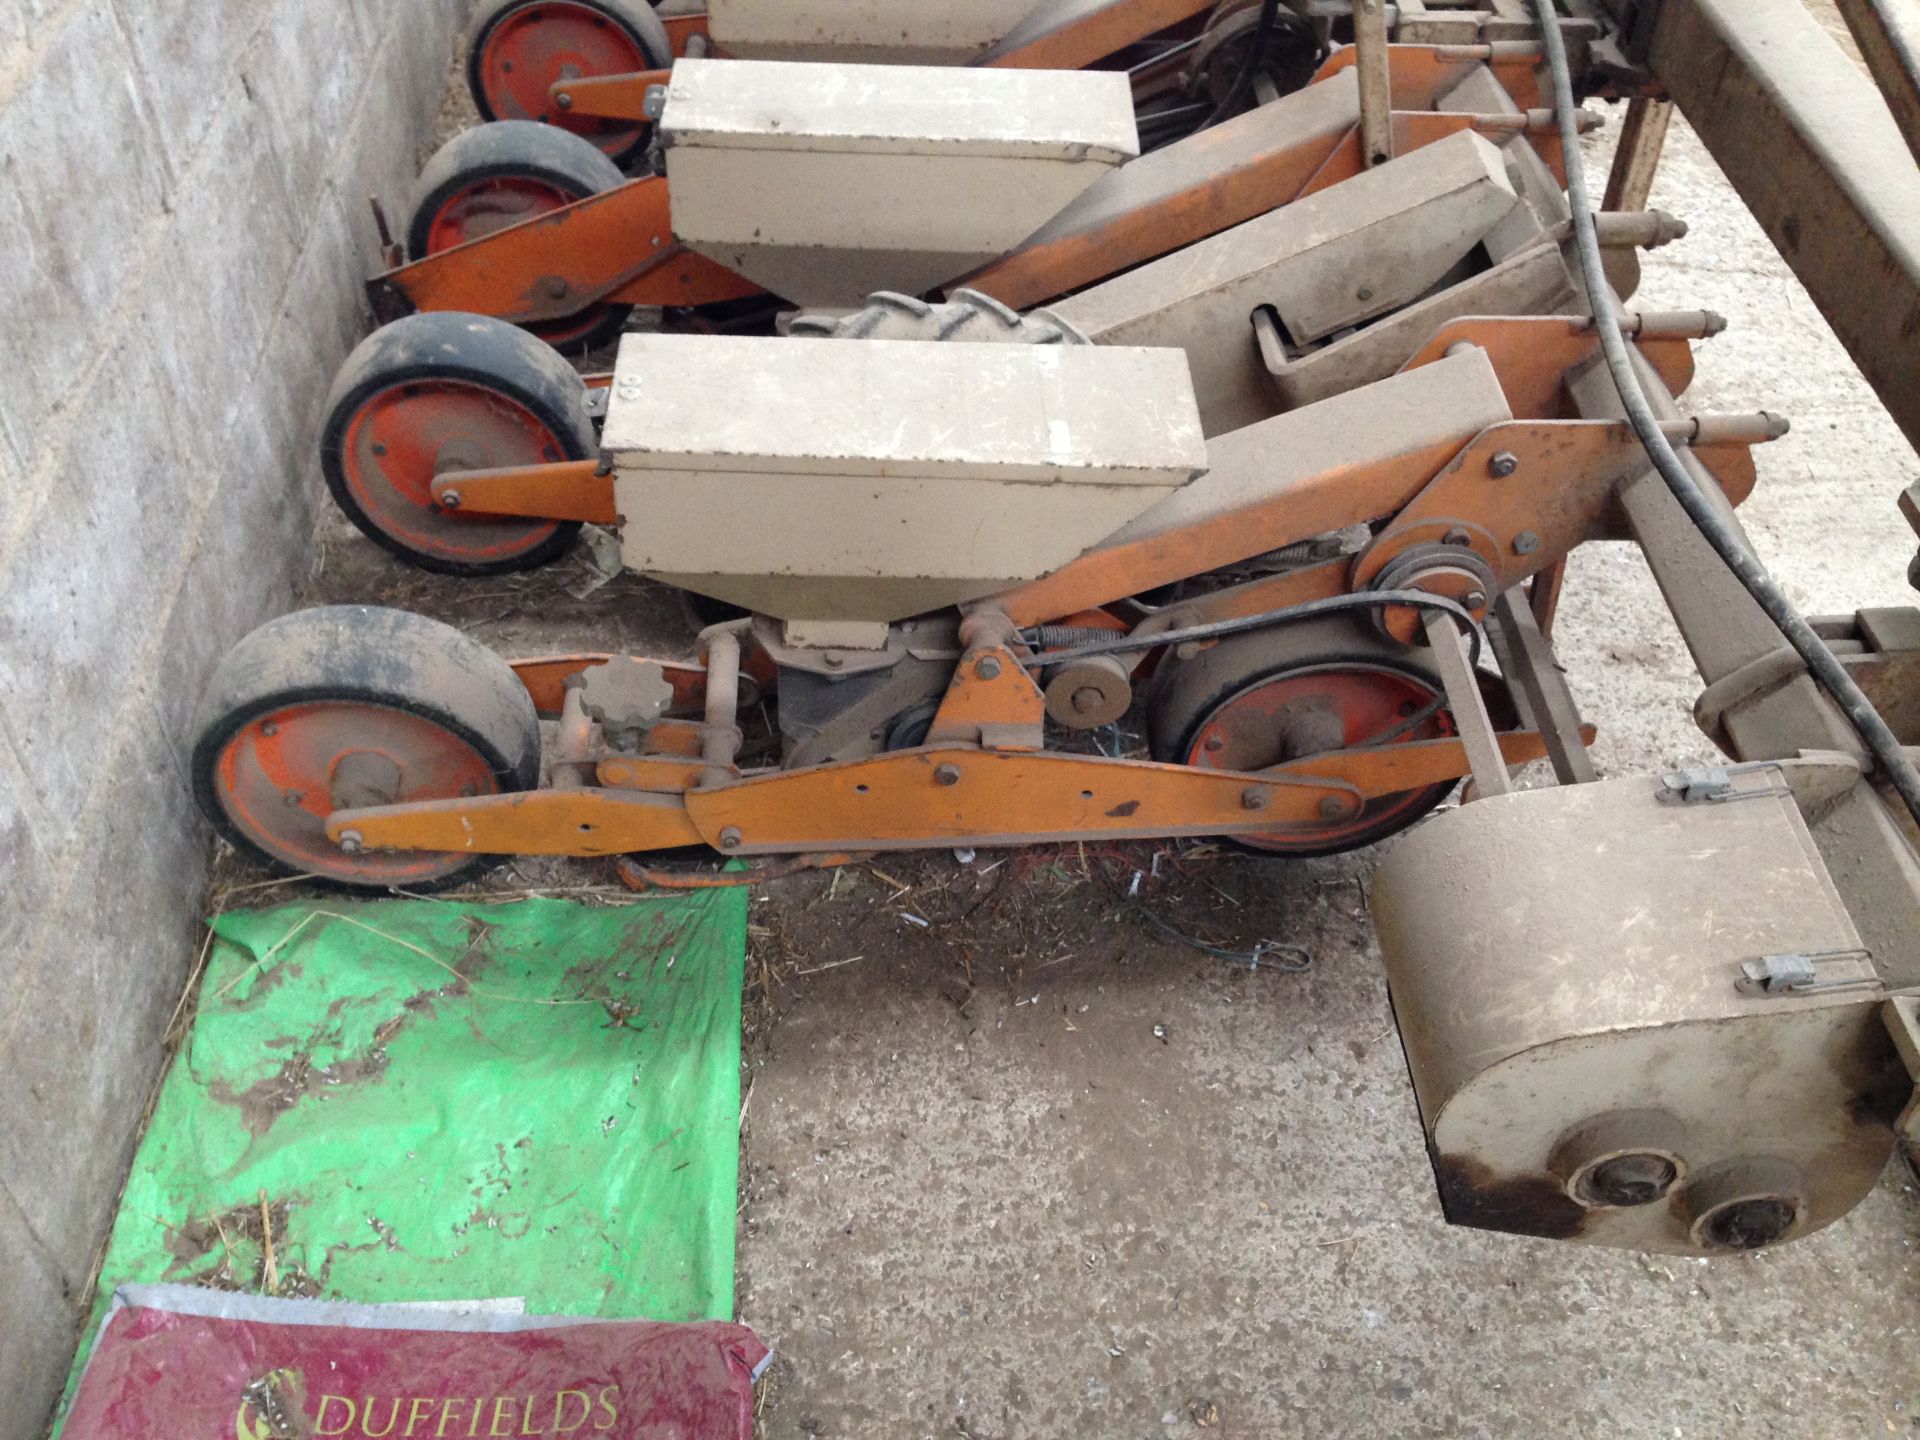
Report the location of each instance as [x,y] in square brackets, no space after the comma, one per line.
[825,183]
[827,484]
[910,32]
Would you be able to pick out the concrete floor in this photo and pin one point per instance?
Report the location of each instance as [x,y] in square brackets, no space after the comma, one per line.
[982,1197]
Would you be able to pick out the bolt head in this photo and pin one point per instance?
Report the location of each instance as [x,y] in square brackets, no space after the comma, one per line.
[946,775]
[270,729]
[1459,535]
[563,100]
[556,287]
[1365,293]
[351,842]
[450,500]
[1474,600]
[1525,543]
[730,839]
[1087,700]
[835,662]
[1253,798]
[292,799]
[1215,744]
[988,667]
[1332,807]
[1503,464]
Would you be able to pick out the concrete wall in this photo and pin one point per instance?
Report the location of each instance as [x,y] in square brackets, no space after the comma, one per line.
[183,230]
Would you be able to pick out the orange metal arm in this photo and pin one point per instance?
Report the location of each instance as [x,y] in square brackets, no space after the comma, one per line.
[1422,74]
[617,246]
[609,97]
[1329,500]
[1096,32]
[565,490]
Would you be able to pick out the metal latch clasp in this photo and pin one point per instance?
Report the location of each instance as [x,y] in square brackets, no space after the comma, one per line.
[1800,974]
[1715,784]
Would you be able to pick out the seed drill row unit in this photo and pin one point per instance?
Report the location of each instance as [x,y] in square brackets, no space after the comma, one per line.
[1325,388]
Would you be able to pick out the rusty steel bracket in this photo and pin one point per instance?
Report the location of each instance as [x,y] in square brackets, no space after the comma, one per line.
[563,490]
[610,97]
[616,247]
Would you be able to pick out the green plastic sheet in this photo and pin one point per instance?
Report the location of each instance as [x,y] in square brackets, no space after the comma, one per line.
[445,1101]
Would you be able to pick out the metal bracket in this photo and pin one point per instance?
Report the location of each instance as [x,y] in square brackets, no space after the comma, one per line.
[1703,785]
[1800,974]
[655,104]
[1719,784]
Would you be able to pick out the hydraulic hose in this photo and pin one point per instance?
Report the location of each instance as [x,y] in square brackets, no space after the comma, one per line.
[1720,533]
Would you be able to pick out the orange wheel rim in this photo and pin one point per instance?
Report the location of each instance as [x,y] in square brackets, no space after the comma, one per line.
[1357,703]
[275,780]
[528,50]
[403,437]
[493,204]
[490,205]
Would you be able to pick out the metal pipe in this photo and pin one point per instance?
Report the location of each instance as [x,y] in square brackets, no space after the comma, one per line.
[1714,526]
[1376,82]
[571,767]
[1887,47]
[720,737]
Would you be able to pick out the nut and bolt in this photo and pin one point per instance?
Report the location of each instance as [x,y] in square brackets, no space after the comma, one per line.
[292,799]
[1253,798]
[563,100]
[1503,464]
[1525,543]
[351,842]
[1458,535]
[987,667]
[946,774]
[270,729]
[730,838]
[1332,807]
[556,287]
[1474,600]
[450,500]
[1215,744]
[1365,293]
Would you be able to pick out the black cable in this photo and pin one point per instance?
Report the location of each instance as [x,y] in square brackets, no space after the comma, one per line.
[1720,533]
[1249,68]
[1311,609]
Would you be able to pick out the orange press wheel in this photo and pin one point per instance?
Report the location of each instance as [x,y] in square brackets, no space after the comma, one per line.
[352,707]
[1261,699]
[434,394]
[518,49]
[502,174]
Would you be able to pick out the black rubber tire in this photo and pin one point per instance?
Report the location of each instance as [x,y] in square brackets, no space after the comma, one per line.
[450,345]
[640,22]
[965,316]
[1186,693]
[386,657]
[506,149]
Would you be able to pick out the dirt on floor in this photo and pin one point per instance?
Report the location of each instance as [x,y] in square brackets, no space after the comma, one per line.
[1018,1162]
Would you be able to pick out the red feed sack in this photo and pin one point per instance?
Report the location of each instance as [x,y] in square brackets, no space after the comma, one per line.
[255,1372]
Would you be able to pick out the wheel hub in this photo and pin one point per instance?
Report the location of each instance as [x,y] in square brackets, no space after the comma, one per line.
[1314,710]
